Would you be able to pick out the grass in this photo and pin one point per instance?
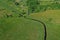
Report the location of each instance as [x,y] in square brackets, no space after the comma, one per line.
[51,18]
[19,28]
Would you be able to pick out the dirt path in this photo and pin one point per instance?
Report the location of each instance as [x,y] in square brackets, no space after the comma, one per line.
[45,31]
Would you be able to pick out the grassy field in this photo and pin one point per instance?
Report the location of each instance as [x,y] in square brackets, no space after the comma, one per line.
[19,28]
[52,20]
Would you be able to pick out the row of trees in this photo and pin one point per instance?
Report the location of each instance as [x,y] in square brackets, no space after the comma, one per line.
[32,6]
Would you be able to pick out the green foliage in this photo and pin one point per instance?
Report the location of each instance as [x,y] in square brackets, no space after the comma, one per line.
[55,5]
[33,5]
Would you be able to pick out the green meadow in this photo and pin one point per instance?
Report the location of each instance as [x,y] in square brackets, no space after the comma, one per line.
[15,27]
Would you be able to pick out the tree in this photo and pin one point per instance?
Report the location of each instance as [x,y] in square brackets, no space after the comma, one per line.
[32,5]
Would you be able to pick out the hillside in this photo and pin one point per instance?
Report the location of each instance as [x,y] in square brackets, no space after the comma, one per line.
[29,20]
